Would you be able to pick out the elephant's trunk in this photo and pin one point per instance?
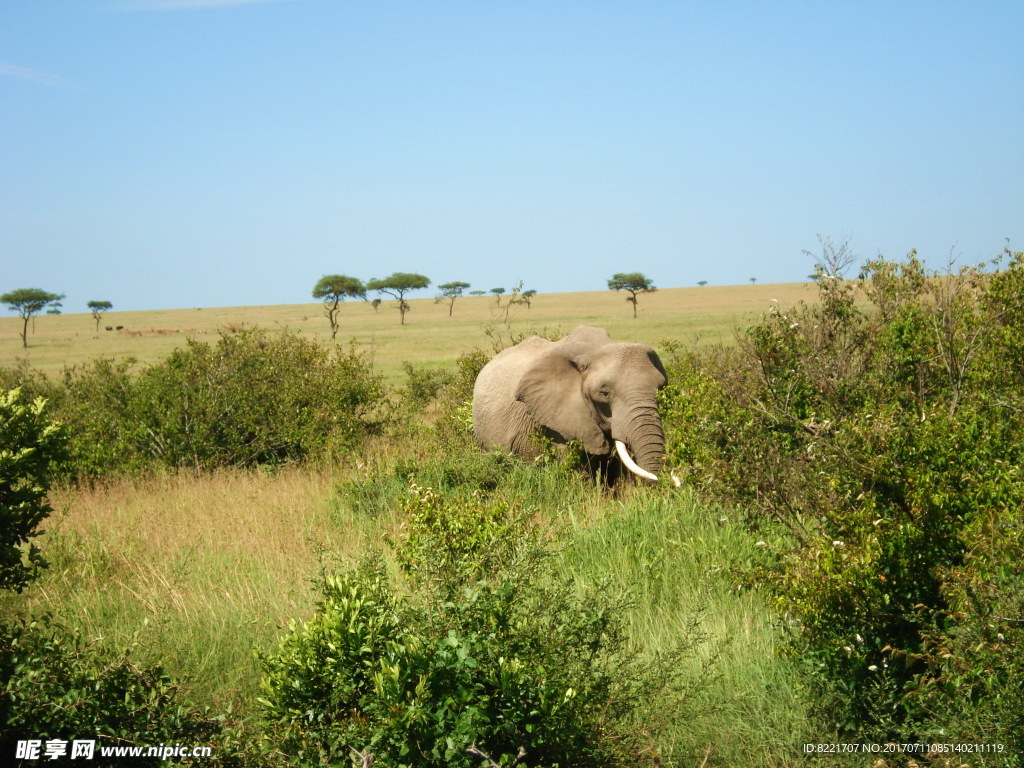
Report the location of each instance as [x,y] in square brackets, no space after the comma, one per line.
[643,439]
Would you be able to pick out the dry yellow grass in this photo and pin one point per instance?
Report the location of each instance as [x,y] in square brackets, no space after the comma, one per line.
[430,336]
[190,561]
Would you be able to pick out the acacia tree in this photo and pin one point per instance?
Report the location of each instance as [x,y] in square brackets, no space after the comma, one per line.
[397,285]
[452,291]
[28,302]
[98,308]
[334,289]
[634,283]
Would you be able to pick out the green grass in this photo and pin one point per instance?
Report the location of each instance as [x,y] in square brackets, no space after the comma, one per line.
[684,563]
[205,570]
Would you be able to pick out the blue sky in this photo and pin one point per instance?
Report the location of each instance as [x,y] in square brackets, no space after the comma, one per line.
[178,153]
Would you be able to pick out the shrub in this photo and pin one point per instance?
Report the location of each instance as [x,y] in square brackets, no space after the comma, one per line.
[252,398]
[30,444]
[423,384]
[480,654]
[31,382]
[57,686]
[454,423]
[881,426]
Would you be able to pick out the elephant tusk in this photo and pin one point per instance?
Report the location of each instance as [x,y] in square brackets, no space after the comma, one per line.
[631,465]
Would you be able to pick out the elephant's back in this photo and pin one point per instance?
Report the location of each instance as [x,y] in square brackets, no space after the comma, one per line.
[503,371]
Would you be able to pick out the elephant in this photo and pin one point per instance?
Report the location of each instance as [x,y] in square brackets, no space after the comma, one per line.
[584,387]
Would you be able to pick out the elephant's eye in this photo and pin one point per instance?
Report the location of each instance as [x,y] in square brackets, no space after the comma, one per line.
[605,392]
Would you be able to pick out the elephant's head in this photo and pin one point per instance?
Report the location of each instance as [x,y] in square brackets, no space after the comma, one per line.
[602,393]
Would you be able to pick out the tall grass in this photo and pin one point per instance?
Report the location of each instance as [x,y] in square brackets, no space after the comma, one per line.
[685,564]
[203,568]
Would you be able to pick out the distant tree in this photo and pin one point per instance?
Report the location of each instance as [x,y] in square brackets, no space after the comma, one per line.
[498,293]
[527,296]
[375,304]
[753,280]
[397,285]
[98,308]
[450,292]
[477,293]
[702,283]
[28,302]
[334,289]
[634,283]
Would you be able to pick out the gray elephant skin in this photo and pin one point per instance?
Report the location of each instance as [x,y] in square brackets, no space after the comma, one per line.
[584,387]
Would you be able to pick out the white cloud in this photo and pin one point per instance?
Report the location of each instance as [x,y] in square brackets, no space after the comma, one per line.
[32,75]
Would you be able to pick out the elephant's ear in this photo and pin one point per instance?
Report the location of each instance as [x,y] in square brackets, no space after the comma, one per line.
[552,391]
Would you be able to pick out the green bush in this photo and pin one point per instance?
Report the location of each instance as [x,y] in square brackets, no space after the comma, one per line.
[478,654]
[881,428]
[30,445]
[423,384]
[252,398]
[454,422]
[57,686]
[31,382]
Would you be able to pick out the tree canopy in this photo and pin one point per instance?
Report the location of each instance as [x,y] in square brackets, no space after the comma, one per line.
[634,283]
[397,285]
[27,302]
[334,289]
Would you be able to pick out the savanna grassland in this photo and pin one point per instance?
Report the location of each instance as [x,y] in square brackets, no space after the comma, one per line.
[205,569]
[429,337]
[840,564]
